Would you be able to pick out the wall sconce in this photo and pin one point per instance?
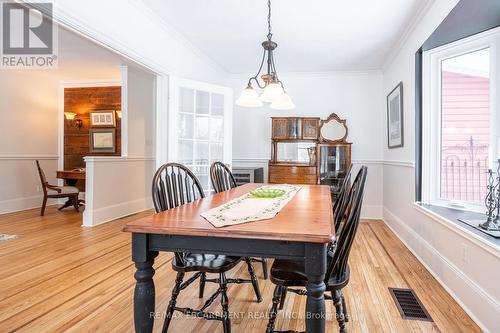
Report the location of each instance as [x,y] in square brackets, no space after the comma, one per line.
[70,116]
[119,114]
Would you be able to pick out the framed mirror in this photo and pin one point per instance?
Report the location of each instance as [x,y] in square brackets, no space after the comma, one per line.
[333,129]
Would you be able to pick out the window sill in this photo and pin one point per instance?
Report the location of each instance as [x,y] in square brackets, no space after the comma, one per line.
[449,218]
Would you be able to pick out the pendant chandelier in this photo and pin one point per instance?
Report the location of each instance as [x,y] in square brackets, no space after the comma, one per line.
[273,89]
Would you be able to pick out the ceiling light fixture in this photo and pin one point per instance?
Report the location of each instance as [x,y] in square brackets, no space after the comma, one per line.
[273,89]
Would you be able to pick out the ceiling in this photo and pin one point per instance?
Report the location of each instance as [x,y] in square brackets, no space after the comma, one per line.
[313,35]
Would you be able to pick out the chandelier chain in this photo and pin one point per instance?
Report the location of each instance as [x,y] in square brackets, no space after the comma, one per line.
[269,28]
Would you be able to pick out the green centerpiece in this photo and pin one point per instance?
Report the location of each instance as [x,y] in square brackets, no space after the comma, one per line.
[267,193]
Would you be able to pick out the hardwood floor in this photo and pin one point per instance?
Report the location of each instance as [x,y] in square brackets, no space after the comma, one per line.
[58,276]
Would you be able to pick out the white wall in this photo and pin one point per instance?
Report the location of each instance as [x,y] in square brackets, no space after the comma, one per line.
[467,268]
[355,96]
[120,186]
[29,102]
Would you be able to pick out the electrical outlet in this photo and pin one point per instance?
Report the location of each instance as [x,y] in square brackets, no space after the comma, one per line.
[39,188]
[465,253]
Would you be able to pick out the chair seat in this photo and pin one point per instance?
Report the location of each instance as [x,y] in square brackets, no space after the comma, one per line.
[64,190]
[291,273]
[208,263]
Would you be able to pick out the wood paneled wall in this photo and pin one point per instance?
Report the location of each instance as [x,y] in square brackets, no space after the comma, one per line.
[82,101]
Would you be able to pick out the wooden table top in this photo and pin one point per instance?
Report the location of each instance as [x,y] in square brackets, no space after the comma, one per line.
[70,174]
[306,218]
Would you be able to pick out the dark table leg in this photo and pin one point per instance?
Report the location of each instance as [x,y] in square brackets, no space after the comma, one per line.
[315,270]
[144,293]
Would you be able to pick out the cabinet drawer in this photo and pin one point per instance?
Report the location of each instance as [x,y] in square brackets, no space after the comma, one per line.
[311,180]
[292,170]
[292,174]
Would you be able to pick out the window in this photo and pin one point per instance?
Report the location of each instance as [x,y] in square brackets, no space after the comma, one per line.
[460,131]
[200,126]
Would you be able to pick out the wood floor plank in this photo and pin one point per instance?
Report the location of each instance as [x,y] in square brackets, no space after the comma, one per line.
[61,277]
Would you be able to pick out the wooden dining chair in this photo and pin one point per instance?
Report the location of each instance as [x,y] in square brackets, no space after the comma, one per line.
[57,192]
[341,201]
[175,185]
[290,275]
[222,180]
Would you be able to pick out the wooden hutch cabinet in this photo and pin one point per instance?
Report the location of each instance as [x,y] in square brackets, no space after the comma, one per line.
[309,151]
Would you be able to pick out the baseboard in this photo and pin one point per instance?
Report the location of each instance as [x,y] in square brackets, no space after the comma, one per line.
[25,203]
[449,271]
[113,212]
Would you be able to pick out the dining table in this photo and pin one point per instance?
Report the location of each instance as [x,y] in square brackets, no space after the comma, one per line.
[302,230]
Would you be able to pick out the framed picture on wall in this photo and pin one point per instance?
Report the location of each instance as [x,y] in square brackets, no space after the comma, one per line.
[103,118]
[102,140]
[395,125]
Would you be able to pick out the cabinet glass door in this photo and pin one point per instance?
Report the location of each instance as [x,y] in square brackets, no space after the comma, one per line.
[332,166]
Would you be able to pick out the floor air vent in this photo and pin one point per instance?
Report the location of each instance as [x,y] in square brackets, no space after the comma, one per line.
[409,305]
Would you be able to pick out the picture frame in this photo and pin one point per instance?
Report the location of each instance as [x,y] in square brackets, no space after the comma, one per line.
[102,140]
[395,118]
[103,118]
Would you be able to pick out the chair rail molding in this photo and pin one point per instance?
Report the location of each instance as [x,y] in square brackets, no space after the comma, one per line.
[27,157]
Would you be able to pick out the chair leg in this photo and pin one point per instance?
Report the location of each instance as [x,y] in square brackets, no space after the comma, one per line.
[253,277]
[226,322]
[44,203]
[283,297]
[203,277]
[173,300]
[278,290]
[75,203]
[344,307]
[264,268]
[337,301]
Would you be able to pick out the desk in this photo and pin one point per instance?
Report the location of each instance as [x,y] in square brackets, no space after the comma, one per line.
[302,230]
[71,177]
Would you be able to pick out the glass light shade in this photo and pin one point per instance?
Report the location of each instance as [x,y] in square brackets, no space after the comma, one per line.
[283,102]
[249,98]
[271,92]
[119,113]
[70,115]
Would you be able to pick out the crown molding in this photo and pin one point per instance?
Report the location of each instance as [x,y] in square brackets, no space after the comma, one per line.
[178,36]
[406,33]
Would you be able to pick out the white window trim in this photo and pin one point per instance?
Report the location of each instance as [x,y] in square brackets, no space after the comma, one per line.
[174,84]
[431,112]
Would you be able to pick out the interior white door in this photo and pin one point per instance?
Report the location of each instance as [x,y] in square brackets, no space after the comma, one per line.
[200,126]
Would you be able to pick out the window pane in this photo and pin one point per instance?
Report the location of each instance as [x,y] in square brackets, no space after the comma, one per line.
[465,117]
[186,126]
[201,128]
[218,104]
[216,152]
[201,172]
[186,100]
[201,153]
[216,129]
[185,152]
[202,102]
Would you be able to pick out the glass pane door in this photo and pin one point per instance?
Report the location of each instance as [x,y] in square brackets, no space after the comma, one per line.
[201,135]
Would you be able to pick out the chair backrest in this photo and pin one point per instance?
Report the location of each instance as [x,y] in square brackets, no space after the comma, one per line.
[221,177]
[43,180]
[175,185]
[338,262]
[341,201]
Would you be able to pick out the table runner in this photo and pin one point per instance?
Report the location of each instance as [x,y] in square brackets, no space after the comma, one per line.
[249,209]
